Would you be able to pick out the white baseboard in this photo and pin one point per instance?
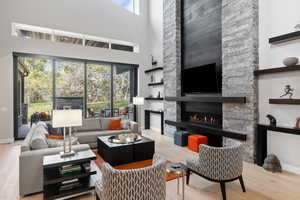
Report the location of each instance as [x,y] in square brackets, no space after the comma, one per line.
[291,168]
[5,141]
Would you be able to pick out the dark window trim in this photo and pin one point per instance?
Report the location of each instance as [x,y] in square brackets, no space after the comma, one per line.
[71,59]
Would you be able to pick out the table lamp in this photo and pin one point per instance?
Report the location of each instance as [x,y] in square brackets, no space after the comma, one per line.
[64,119]
[138,101]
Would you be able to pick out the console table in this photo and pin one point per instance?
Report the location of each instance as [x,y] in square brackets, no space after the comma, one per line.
[147,119]
[262,144]
[53,179]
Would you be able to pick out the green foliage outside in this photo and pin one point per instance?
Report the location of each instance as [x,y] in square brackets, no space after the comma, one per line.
[69,79]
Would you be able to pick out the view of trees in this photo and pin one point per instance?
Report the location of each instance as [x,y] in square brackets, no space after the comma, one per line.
[69,82]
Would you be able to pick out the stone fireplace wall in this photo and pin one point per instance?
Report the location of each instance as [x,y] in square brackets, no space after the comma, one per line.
[172,60]
[240,59]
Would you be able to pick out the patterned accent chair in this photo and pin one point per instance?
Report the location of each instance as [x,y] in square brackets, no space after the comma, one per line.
[137,184]
[218,164]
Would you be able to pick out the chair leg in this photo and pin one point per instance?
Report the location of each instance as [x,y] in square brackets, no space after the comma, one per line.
[242,183]
[188,173]
[223,190]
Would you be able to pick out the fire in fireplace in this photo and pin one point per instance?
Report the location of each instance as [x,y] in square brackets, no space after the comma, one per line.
[204,118]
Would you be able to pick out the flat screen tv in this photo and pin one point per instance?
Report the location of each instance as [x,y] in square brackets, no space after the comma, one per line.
[203,79]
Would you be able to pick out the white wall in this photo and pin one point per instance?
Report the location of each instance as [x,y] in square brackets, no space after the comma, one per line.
[279,17]
[156,48]
[101,18]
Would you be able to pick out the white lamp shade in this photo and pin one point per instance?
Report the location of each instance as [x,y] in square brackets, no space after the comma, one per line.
[138,100]
[66,118]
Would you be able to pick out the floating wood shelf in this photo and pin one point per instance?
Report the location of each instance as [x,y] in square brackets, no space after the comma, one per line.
[158,83]
[208,99]
[154,99]
[285,101]
[276,70]
[285,38]
[207,130]
[154,69]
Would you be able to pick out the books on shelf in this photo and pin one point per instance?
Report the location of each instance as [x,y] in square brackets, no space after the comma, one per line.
[70,184]
[69,169]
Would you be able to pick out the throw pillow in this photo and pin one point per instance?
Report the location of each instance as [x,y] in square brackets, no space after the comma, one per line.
[125,124]
[59,143]
[58,137]
[114,124]
[104,122]
[38,140]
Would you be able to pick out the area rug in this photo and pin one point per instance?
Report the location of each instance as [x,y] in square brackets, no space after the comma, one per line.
[135,165]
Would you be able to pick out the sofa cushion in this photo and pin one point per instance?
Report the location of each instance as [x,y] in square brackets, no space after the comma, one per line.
[125,124]
[105,122]
[91,136]
[114,124]
[89,125]
[52,143]
[26,143]
[38,139]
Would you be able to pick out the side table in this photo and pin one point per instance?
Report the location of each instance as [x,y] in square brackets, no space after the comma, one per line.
[180,169]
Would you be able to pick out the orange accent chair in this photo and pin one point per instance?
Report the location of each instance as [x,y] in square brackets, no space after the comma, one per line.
[195,140]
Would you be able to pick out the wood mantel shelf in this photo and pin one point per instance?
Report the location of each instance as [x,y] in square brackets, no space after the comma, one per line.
[285,38]
[276,70]
[208,130]
[285,101]
[208,99]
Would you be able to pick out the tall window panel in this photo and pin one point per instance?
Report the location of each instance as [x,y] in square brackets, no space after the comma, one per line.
[69,84]
[98,90]
[123,80]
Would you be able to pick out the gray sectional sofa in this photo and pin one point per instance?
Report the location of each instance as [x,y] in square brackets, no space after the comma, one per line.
[36,145]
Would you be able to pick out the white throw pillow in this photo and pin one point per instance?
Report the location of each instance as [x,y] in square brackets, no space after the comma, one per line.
[59,142]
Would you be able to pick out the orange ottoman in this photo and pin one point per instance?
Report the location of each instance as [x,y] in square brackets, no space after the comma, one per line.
[195,140]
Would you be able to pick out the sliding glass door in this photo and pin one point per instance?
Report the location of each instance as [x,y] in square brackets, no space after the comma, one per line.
[44,83]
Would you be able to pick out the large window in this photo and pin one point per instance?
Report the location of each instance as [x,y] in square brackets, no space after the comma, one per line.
[98,90]
[34,32]
[45,83]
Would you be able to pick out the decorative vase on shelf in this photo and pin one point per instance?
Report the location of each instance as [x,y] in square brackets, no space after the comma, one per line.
[290,61]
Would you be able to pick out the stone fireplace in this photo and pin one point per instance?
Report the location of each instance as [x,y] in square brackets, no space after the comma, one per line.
[239,60]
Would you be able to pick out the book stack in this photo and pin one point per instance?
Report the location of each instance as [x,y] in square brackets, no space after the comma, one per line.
[70,184]
[70,169]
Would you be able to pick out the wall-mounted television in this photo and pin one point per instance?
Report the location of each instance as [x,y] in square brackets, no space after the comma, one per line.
[202,79]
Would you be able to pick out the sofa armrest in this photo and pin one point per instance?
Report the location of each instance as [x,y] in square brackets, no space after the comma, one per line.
[134,127]
[31,168]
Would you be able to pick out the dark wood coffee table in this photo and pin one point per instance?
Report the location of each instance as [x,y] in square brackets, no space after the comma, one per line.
[118,154]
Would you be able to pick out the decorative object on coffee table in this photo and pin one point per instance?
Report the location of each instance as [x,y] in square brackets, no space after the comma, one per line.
[63,119]
[178,168]
[272,120]
[297,123]
[288,91]
[125,138]
[290,61]
[272,164]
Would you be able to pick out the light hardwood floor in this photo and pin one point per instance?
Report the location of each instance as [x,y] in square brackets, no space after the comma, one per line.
[260,185]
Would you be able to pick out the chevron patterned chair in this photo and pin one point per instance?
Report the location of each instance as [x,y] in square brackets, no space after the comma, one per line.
[218,164]
[137,184]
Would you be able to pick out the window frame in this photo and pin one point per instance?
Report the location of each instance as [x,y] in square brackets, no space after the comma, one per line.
[85,62]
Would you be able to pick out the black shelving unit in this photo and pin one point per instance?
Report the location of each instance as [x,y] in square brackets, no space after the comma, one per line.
[154,99]
[276,70]
[154,84]
[154,69]
[262,144]
[53,179]
[285,38]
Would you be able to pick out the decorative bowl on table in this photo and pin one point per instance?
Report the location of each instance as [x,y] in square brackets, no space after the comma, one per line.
[125,138]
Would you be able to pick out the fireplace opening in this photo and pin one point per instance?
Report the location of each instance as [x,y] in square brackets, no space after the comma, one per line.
[207,119]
